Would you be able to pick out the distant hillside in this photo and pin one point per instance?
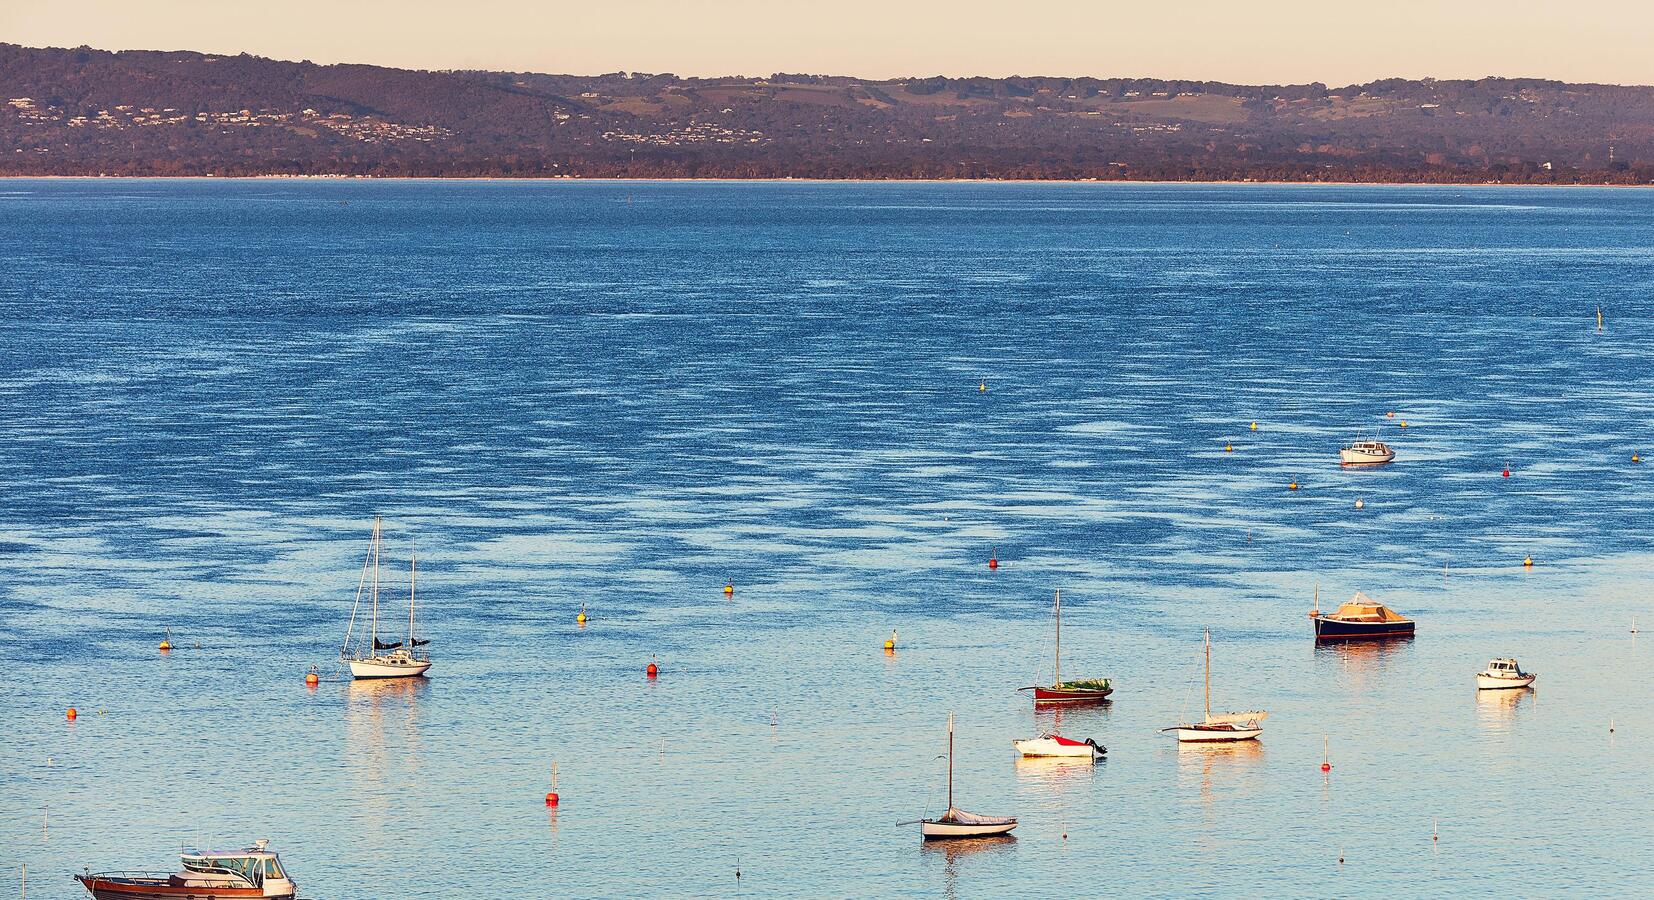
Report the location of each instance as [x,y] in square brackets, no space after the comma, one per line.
[89,112]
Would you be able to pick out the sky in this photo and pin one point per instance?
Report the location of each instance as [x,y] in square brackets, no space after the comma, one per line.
[1283,41]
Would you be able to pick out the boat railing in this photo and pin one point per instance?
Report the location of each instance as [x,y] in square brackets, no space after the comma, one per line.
[127,876]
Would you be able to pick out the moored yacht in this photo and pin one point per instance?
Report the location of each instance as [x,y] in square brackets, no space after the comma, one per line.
[1223,727]
[372,657]
[1503,674]
[1362,617]
[203,875]
[1366,453]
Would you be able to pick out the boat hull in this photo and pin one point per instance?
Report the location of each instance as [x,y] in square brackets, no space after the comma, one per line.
[1486,682]
[1328,629]
[367,668]
[103,887]
[1071,695]
[932,830]
[1194,735]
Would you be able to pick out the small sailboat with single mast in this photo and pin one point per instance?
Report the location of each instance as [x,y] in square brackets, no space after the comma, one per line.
[1085,690]
[957,823]
[1234,726]
[370,657]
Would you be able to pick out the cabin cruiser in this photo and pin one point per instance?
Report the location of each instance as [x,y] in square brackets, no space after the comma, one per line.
[203,875]
[1366,453]
[1503,674]
[1361,618]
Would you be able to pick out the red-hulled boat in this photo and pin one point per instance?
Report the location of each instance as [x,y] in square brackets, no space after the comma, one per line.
[1088,690]
[203,875]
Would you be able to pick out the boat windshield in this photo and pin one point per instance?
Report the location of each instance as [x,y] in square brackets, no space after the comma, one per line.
[272,869]
[247,867]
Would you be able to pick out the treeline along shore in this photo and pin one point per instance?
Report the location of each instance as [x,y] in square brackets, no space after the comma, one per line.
[83,111]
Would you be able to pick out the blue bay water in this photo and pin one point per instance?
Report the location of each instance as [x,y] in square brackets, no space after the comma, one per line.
[625,395]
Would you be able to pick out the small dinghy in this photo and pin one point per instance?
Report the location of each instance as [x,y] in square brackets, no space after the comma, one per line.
[1057,745]
[1503,674]
[957,823]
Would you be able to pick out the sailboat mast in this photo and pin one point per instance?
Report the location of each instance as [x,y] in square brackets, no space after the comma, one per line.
[950,762]
[1208,676]
[1059,640]
[413,575]
[373,635]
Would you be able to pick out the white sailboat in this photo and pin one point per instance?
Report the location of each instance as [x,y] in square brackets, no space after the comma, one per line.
[1234,726]
[371,657]
[957,823]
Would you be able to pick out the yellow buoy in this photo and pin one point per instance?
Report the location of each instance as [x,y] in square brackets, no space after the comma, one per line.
[1527,562]
[1293,486]
[1403,423]
[1254,426]
[982,388]
[1636,458]
[1229,448]
[890,645]
[729,589]
[581,618]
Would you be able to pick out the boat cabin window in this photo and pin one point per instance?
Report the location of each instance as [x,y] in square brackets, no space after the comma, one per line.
[272,869]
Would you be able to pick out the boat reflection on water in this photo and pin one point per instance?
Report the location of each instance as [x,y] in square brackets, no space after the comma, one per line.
[1212,762]
[379,692]
[1362,658]
[1057,770]
[955,852]
[1054,717]
[1498,708]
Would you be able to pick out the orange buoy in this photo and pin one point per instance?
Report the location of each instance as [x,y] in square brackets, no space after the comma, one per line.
[653,669]
[890,645]
[71,714]
[1293,486]
[729,589]
[1326,756]
[551,798]
[1389,415]
[312,679]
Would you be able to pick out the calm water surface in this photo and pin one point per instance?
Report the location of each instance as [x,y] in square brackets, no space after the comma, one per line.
[624,395]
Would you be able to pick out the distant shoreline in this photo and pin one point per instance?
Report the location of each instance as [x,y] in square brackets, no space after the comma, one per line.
[906,181]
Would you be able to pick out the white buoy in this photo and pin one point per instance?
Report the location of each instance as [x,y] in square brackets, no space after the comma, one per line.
[1359,503]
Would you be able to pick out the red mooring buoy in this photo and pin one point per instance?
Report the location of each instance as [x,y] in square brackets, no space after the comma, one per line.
[1505,473]
[653,670]
[993,560]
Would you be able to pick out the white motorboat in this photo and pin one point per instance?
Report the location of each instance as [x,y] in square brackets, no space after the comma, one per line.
[1233,726]
[957,823]
[1503,674]
[1057,745]
[208,875]
[1366,453]
[372,657]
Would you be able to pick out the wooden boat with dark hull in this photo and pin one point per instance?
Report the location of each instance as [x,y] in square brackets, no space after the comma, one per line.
[1087,690]
[1363,618]
[253,872]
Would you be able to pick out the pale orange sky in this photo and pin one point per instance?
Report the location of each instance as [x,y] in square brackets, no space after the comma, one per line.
[1261,42]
